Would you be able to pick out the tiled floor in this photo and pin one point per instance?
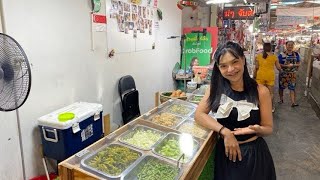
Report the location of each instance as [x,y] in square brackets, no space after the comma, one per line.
[295,143]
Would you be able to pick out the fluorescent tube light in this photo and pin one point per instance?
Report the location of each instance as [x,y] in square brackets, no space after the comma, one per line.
[218,1]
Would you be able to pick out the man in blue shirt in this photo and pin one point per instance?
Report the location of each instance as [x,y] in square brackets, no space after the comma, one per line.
[289,62]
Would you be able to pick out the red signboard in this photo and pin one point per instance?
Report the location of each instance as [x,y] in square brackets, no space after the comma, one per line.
[238,13]
[99,18]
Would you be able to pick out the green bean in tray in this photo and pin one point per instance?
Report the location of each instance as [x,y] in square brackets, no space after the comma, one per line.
[154,169]
[142,138]
[180,109]
[113,160]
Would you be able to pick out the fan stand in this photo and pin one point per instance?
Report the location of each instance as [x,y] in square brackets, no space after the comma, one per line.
[21,144]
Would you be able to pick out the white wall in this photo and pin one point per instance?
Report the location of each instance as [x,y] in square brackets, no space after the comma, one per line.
[56,38]
[201,17]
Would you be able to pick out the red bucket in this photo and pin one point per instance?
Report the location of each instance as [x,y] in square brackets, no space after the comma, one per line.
[52,176]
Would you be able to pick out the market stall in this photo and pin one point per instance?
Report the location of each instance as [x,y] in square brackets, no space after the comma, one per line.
[166,137]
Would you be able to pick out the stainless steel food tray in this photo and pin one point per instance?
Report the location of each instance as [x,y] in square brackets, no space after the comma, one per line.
[84,162]
[199,132]
[150,117]
[186,143]
[193,100]
[131,132]
[133,172]
[181,109]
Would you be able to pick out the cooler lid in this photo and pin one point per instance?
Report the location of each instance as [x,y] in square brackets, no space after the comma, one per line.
[81,111]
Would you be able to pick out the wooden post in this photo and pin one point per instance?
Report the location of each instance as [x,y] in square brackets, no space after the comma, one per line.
[156,99]
[106,124]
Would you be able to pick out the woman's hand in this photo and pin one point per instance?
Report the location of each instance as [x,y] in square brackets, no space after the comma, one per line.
[232,148]
[252,129]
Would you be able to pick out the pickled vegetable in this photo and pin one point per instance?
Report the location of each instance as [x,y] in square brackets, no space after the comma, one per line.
[193,128]
[113,160]
[154,169]
[180,109]
[166,119]
[142,138]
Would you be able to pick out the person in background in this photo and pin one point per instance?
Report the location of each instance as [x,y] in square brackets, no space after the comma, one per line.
[289,61]
[264,73]
[273,46]
[194,62]
[242,116]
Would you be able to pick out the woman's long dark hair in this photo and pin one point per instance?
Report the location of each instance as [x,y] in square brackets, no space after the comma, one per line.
[220,85]
[266,48]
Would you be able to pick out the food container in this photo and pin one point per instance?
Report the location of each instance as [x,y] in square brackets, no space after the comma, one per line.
[110,161]
[165,119]
[177,147]
[63,137]
[165,96]
[195,98]
[192,85]
[191,127]
[152,168]
[180,109]
[141,137]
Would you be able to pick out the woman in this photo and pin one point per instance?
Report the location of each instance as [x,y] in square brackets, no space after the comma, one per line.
[242,109]
[264,73]
[290,63]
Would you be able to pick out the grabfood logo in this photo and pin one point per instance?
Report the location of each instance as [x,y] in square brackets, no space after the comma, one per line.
[198,51]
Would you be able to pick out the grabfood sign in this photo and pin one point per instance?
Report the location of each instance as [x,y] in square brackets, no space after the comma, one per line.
[198,46]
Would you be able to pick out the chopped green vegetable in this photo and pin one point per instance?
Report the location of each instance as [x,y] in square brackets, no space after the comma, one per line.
[170,148]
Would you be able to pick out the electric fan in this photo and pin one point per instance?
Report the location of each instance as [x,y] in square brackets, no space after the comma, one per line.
[15,81]
[15,74]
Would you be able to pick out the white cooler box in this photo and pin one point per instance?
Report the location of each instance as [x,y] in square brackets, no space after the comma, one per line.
[61,139]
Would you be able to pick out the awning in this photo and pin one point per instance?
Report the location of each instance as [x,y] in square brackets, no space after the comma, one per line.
[293,11]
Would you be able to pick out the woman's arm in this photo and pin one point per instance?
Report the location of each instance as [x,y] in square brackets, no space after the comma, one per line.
[256,68]
[278,65]
[232,149]
[266,123]
[202,117]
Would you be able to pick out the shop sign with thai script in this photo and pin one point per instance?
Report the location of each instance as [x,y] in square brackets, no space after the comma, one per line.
[238,13]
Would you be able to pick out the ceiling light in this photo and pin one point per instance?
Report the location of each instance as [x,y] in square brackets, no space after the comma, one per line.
[218,1]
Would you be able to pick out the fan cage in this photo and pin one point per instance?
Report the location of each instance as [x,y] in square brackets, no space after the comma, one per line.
[16,83]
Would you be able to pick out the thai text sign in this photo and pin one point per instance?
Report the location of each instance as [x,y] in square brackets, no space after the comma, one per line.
[238,12]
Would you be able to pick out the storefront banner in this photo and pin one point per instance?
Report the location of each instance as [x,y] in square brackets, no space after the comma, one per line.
[293,11]
[291,20]
[199,46]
